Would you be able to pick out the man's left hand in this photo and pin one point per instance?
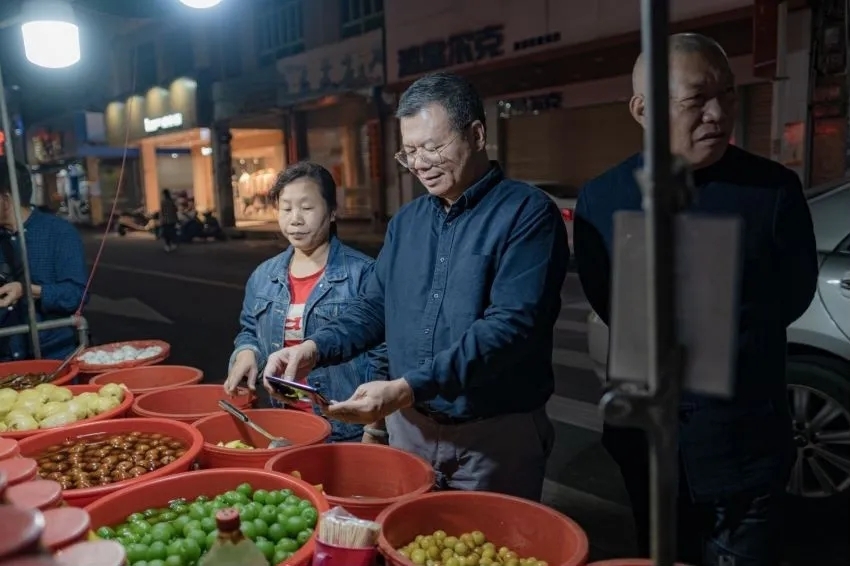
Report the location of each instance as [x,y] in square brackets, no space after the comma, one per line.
[10,293]
[373,401]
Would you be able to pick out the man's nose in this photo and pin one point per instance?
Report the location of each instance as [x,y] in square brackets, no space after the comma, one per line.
[713,111]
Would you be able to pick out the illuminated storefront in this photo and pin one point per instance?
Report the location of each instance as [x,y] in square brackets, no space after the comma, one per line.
[175,146]
[323,102]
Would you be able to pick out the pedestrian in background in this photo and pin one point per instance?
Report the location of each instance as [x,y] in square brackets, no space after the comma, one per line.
[168,219]
[735,455]
[466,292]
[301,290]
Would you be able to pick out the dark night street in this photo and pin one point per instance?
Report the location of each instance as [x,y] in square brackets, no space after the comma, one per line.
[192,298]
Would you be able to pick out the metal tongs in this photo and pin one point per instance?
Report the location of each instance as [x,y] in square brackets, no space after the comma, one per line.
[274,441]
[55,373]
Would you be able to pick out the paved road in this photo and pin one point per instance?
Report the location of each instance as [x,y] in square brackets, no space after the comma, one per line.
[192,299]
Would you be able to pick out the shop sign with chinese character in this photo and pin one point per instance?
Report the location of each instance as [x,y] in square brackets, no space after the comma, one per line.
[459,49]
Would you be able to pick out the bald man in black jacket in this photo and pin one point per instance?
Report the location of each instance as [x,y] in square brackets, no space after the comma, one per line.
[735,455]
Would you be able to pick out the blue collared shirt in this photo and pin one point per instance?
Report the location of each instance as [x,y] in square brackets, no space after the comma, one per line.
[467,298]
[58,264]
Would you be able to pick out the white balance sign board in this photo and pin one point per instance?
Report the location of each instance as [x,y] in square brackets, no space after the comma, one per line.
[708,265]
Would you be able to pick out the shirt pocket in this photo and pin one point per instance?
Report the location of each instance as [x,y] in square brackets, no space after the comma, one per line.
[468,287]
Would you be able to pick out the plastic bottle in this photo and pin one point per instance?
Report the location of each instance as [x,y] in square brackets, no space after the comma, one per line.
[232,548]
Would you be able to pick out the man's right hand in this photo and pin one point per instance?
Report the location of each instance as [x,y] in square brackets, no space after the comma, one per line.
[244,367]
[292,363]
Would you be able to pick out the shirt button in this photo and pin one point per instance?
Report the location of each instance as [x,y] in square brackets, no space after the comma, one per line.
[16,355]
[427,331]
[442,260]
[436,295]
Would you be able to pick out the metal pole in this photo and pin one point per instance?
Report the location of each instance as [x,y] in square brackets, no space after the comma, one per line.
[778,102]
[78,322]
[19,222]
[660,206]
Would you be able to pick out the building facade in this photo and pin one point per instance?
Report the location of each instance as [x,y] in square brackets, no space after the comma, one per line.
[556,77]
[162,107]
[315,70]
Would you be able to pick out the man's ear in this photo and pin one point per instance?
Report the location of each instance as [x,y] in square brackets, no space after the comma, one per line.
[637,108]
[479,135]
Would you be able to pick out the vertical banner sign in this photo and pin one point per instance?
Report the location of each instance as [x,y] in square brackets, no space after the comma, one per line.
[765,22]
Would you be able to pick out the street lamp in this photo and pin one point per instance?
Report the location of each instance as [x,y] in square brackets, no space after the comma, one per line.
[51,36]
[201,4]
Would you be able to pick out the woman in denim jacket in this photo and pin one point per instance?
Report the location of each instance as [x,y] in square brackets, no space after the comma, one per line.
[294,293]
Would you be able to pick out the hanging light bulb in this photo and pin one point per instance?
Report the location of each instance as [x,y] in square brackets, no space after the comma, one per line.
[201,4]
[51,35]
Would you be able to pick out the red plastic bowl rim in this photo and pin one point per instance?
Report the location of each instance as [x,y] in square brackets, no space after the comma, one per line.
[68,374]
[98,368]
[145,425]
[259,452]
[384,546]
[159,367]
[110,415]
[193,416]
[372,501]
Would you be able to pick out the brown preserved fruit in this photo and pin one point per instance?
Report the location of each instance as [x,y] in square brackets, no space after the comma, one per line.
[104,459]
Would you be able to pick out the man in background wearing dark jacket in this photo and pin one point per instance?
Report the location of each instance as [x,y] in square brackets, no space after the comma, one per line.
[735,455]
[57,265]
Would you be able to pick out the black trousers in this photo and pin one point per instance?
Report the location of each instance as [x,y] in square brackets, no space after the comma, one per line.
[168,233]
[744,530]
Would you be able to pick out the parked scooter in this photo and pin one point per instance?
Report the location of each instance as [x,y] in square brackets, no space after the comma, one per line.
[137,221]
[212,227]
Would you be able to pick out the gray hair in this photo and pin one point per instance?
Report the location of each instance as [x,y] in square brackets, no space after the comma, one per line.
[452,92]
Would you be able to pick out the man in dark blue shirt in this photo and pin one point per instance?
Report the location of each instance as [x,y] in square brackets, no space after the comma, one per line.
[466,291]
[735,454]
[57,269]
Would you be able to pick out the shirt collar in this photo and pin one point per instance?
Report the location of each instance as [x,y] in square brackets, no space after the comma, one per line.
[475,192]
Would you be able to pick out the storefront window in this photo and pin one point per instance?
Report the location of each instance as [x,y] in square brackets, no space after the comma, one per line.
[251,183]
[341,151]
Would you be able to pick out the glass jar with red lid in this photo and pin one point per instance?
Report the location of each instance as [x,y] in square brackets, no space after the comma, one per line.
[9,448]
[22,530]
[93,553]
[19,470]
[36,494]
[64,527]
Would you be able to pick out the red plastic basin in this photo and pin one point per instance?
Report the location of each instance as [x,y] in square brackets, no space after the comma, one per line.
[145,379]
[118,412]
[300,428]
[34,446]
[187,404]
[40,366]
[365,479]
[139,344]
[527,528]
[113,509]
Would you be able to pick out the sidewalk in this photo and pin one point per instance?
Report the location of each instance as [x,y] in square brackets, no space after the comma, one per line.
[350,231]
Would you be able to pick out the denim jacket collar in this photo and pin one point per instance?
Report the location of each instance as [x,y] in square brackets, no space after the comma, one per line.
[335,270]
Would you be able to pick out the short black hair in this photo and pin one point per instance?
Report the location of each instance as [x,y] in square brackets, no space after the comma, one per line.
[314,172]
[451,91]
[24,180]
